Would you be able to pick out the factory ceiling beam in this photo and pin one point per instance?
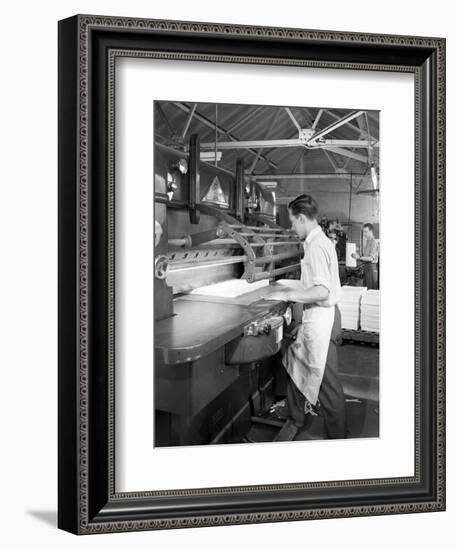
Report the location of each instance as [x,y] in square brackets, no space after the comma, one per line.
[297,176]
[240,122]
[316,120]
[267,133]
[230,136]
[245,119]
[348,160]
[300,159]
[329,156]
[370,149]
[350,154]
[280,143]
[292,118]
[330,159]
[337,124]
[257,143]
[273,149]
[165,118]
[362,134]
[308,117]
[188,121]
[293,136]
[283,154]
[333,115]
[356,143]
[350,124]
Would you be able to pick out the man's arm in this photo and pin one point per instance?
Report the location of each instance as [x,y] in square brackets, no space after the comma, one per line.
[302,295]
[320,289]
[372,253]
[368,259]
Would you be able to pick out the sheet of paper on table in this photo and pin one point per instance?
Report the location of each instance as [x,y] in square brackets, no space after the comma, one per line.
[291,283]
[230,289]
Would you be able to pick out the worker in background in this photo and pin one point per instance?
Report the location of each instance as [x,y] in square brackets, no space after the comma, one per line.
[333,237]
[332,225]
[333,229]
[311,360]
[369,257]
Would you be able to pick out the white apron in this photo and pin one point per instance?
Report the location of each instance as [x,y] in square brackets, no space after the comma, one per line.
[305,358]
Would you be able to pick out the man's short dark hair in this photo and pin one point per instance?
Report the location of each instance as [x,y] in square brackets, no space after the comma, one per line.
[369,226]
[304,204]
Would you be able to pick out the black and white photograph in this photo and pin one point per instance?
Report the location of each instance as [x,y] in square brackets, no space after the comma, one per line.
[266,273]
[232,200]
[224,285]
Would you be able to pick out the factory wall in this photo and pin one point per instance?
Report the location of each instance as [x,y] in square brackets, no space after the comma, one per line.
[364,208]
[333,201]
[332,197]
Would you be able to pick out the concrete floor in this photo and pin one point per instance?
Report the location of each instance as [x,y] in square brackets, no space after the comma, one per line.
[359,370]
[359,374]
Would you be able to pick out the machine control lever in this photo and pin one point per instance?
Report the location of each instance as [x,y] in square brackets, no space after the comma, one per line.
[262,326]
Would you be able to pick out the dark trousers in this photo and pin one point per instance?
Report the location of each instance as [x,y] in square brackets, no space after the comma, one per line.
[370,275]
[331,396]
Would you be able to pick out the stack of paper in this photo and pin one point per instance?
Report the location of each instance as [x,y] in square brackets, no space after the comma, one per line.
[369,311]
[231,288]
[350,250]
[350,306]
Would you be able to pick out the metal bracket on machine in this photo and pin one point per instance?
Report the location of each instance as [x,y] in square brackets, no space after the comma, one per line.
[258,244]
[161,267]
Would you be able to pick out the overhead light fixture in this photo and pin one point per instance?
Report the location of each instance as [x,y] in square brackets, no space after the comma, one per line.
[210,156]
[269,183]
[374,176]
[180,165]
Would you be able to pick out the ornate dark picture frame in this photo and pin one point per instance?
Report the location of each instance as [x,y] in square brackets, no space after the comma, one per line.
[88,47]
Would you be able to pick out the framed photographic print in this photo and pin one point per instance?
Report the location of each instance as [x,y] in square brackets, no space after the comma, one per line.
[251,274]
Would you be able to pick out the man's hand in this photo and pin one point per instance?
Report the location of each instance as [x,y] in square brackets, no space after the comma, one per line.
[290,333]
[290,284]
[284,282]
[355,256]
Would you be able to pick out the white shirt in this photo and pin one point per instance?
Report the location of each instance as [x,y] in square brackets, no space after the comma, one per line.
[319,266]
[305,358]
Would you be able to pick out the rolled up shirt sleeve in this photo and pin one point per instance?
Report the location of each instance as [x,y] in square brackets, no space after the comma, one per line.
[319,262]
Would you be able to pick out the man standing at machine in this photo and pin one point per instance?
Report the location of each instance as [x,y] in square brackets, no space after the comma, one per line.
[311,360]
[369,257]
